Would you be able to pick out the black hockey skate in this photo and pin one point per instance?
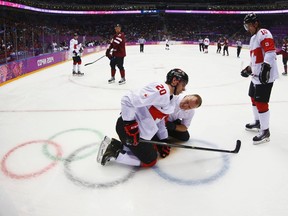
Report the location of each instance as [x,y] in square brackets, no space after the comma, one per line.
[253,126]
[263,137]
[108,149]
[74,73]
[122,81]
[111,80]
[284,73]
[80,74]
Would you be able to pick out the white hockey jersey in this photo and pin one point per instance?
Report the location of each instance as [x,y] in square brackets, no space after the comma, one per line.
[262,49]
[141,41]
[206,41]
[74,46]
[185,116]
[149,106]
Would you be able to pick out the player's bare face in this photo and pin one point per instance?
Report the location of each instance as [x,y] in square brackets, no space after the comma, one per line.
[251,27]
[189,102]
[117,29]
[180,87]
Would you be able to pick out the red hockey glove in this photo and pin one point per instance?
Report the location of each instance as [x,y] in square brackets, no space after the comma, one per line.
[163,150]
[132,132]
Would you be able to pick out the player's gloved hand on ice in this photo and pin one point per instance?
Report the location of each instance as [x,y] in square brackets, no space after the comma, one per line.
[163,150]
[246,72]
[170,126]
[132,132]
[264,73]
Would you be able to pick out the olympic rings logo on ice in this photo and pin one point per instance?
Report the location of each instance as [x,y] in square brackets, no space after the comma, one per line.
[86,172]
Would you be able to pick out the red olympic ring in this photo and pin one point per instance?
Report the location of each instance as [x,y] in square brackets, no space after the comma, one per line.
[34,174]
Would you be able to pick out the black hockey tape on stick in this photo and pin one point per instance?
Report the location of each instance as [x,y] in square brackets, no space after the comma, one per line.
[235,151]
[95,60]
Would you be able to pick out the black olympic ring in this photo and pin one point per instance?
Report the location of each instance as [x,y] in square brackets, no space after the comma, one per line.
[84,183]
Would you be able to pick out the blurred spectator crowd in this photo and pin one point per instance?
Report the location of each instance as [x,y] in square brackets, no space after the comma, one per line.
[24,34]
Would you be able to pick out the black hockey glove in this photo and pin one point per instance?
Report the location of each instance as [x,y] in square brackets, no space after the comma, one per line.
[246,72]
[81,50]
[75,53]
[108,54]
[171,126]
[163,150]
[264,74]
[132,132]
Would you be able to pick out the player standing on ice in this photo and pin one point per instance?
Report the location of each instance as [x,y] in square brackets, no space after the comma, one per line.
[264,71]
[76,51]
[117,47]
[284,53]
[225,46]
[206,44]
[167,44]
[141,41]
[143,114]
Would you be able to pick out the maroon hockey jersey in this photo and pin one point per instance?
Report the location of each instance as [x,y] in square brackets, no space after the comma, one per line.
[118,45]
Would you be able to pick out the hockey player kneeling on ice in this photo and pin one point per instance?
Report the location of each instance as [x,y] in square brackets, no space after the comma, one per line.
[76,51]
[143,114]
[263,70]
[180,120]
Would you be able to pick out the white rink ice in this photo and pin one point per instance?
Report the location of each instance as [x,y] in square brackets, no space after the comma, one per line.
[51,125]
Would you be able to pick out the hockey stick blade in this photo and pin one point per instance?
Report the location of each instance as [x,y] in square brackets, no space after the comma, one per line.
[94,61]
[235,151]
[238,146]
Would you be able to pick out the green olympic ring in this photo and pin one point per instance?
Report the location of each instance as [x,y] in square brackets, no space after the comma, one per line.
[57,158]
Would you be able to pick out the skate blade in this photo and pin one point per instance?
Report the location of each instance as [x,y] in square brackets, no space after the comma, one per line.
[253,129]
[261,141]
[103,146]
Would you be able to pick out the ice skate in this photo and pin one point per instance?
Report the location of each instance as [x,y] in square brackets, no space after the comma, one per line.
[263,137]
[74,73]
[108,149]
[284,73]
[111,80]
[122,81]
[253,126]
[80,74]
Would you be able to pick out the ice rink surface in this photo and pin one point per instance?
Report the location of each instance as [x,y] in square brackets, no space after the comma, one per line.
[51,125]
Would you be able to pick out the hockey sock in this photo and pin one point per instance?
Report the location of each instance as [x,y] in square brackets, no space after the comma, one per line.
[122,72]
[79,67]
[128,158]
[255,113]
[264,120]
[74,67]
[113,72]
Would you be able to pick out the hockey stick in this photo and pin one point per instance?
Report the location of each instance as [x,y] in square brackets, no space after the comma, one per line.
[235,151]
[95,60]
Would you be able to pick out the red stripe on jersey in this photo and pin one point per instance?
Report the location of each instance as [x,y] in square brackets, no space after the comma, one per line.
[268,44]
[156,114]
[75,46]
